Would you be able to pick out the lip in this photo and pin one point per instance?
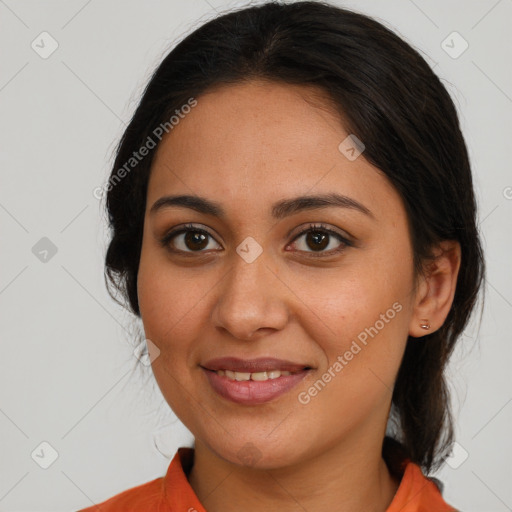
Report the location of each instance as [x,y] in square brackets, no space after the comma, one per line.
[252,392]
[261,364]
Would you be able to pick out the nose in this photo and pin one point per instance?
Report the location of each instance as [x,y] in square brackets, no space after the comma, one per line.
[251,300]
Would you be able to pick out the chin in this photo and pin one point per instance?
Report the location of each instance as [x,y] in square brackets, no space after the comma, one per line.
[260,455]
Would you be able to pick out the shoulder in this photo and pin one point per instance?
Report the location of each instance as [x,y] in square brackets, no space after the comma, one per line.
[419,493]
[140,498]
[416,491]
[158,494]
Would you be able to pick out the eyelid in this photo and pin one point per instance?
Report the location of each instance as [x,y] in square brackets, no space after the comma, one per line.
[169,235]
[344,239]
[320,226]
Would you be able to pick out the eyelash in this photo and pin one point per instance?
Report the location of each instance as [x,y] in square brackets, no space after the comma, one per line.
[312,228]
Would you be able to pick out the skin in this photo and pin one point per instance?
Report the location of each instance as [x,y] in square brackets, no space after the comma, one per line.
[247,146]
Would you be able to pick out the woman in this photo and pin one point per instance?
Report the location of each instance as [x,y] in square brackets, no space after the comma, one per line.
[293,219]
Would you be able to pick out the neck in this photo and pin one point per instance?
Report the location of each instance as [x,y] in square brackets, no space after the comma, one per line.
[349,477]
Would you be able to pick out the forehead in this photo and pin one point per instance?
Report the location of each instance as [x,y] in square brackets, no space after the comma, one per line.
[258,142]
[255,122]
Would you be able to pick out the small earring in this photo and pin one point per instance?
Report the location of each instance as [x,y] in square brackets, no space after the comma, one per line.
[425,325]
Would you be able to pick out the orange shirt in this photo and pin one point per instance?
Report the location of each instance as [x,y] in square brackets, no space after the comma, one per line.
[173,493]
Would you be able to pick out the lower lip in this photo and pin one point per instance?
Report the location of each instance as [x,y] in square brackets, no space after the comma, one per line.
[252,392]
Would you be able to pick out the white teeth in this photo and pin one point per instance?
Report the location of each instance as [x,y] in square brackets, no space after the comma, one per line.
[260,376]
[241,376]
[276,373]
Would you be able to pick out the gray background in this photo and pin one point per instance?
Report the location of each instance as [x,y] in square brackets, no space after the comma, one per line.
[66,356]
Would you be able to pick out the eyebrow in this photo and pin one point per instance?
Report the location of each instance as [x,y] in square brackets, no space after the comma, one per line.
[280,209]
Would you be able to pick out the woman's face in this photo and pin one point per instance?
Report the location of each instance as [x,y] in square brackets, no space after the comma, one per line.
[255,287]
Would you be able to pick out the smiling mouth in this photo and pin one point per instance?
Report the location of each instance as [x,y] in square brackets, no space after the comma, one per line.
[254,381]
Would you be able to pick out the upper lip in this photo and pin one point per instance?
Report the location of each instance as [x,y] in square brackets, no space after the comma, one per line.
[253,365]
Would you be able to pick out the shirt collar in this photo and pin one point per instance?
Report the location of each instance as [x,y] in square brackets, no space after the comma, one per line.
[416,492]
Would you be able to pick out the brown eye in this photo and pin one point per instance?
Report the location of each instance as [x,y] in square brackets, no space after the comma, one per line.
[194,239]
[318,238]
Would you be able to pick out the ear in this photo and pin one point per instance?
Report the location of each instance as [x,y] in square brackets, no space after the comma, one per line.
[436,289]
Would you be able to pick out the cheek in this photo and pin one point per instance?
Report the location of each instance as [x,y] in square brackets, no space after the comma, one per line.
[361,352]
[167,301]
[172,304]
[361,313]
[367,328]
[341,302]
[169,307]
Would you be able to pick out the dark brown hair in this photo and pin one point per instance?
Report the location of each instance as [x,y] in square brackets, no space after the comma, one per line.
[392,101]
